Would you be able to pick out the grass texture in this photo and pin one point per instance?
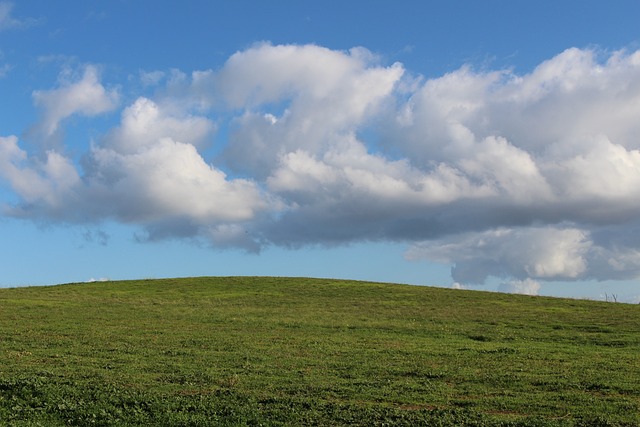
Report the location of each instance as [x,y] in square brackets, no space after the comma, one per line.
[248,351]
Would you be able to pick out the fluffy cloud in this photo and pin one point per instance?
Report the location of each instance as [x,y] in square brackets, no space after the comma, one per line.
[169,179]
[539,253]
[144,123]
[50,182]
[528,177]
[147,171]
[298,97]
[87,96]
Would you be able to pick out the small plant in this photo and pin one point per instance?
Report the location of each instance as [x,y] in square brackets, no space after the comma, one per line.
[613,298]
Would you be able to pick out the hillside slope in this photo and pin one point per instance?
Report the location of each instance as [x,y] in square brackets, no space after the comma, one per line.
[298,351]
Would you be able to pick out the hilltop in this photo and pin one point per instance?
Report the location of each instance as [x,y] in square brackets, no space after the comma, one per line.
[299,351]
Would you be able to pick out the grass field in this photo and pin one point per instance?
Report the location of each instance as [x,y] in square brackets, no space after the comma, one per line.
[297,351]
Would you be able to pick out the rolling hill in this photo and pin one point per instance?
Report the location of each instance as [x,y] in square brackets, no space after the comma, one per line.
[299,351]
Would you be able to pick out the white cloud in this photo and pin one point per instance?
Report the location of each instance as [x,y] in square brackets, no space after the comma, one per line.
[168,180]
[539,253]
[50,181]
[144,123]
[316,96]
[528,177]
[86,96]
[603,171]
[147,171]
[525,287]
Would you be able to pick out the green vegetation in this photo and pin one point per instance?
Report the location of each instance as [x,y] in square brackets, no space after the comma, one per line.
[295,351]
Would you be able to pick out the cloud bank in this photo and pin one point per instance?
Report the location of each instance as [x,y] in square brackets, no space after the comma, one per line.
[527,177]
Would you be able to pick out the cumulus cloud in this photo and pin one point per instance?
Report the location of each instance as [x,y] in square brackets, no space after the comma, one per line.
[298,97]
[167,189]
[50,181]
[171,180]
[528,178]
[145,122]
[86,96]
[146,171]
[536,252]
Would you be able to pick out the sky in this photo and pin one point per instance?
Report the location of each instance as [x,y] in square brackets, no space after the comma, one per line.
[490,145]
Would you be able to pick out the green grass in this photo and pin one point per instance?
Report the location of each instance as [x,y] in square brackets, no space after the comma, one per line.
[296,351]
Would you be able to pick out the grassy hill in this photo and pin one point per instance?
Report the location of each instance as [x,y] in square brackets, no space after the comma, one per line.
[297,351]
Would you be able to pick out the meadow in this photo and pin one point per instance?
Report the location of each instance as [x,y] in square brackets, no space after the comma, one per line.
[248,351]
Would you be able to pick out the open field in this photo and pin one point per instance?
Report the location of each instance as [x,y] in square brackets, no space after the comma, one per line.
[296,351]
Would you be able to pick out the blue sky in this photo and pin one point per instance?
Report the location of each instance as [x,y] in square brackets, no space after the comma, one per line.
[488,145]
